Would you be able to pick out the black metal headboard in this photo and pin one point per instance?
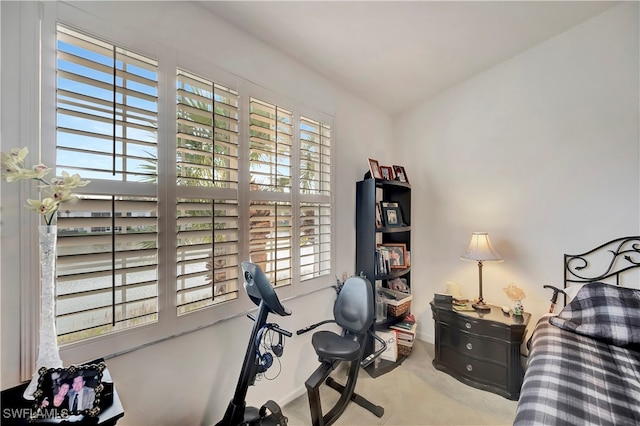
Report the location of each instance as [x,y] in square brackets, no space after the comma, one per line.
[615,257]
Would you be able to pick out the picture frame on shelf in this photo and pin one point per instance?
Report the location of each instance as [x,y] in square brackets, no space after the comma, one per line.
[57,388]
[392,216]
[386,172]
[397,255]
[374,168]
[400,173]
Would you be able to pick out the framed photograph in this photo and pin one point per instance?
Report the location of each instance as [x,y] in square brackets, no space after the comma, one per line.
[379,223]
[397,255]
[401,174]
[374,168]
[392,216]
[386,172]
[388,204]
[64,392]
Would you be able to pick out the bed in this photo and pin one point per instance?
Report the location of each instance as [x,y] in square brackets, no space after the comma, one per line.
[584,362]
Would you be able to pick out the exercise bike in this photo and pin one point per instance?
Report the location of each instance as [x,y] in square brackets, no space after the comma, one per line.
[261,292]
[354,312]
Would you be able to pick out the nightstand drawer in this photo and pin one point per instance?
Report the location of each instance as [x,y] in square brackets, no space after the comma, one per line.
[476,326]
[474,369]
[473,345]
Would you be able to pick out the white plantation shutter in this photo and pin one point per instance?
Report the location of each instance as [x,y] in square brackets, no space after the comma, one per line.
[270,173]
[315,197]
[271,138]
[207,140]
[270,234]
[207,167]
[207,253]
[107,113]
[107,110]
[315,157]
[315,240]
[107,266]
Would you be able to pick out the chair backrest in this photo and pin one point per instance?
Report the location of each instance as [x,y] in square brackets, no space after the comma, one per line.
[354,309]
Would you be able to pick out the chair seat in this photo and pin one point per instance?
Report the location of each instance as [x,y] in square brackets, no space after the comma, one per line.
[331,346]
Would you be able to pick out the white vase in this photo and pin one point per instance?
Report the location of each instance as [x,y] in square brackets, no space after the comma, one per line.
[518,309]
[48,350]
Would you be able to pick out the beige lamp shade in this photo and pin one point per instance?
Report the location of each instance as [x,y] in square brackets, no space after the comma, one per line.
[480,249]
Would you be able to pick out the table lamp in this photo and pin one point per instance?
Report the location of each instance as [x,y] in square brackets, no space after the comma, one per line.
[481,250]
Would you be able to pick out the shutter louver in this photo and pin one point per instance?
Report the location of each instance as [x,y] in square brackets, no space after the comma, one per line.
[107,118]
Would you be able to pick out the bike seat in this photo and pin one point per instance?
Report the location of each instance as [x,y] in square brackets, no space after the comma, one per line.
[332,347]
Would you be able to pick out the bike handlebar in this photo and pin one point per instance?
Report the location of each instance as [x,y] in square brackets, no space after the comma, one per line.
[313,326]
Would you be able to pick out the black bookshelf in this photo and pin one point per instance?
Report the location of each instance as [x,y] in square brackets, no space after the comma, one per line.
[369,192]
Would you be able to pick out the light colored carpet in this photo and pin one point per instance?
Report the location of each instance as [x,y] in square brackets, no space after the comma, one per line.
[414,393]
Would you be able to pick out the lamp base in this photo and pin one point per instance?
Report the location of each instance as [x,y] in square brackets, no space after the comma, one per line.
[481,306]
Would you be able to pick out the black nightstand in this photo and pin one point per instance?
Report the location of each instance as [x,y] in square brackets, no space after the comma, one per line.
[481,349]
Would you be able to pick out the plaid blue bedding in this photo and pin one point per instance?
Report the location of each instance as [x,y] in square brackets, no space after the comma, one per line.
[573,379]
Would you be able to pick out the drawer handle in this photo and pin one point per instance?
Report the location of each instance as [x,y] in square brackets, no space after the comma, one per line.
[469,346]
[468,325]
[469,367]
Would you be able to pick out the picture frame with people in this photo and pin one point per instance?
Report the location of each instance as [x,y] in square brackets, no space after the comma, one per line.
[400,173]
[374,169]
[71,391]
[397,255]
[392,216]
[386,172]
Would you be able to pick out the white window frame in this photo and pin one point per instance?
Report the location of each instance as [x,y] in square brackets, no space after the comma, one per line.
[169,323]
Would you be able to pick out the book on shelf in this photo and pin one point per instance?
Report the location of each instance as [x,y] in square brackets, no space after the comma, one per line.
[405,327]
[382,261]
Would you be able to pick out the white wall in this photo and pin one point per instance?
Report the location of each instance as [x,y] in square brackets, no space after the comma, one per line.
[190,379]
[541,152]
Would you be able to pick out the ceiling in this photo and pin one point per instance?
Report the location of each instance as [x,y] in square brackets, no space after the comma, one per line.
[395,54]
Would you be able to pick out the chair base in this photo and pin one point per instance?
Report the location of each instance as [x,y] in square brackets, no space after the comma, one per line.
[377,410]
[347,394]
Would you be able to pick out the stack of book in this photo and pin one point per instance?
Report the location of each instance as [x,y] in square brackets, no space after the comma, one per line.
[460,304]
[405,334]
[382,261]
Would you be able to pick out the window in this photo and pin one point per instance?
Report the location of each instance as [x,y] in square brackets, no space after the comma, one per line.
[151,244]
[207,188]
[271,218]
[107,117]
[315,196]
